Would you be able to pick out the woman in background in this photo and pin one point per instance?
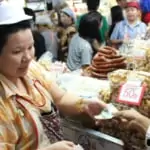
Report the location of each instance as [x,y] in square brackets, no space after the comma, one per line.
[43,24]
[65,31]
[93,5]
[117,16]
[82,46]
[130,28]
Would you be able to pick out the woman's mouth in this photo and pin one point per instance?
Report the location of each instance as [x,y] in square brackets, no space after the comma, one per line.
[24,67]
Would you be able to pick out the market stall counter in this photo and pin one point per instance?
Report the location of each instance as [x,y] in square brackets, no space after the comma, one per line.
[110,134]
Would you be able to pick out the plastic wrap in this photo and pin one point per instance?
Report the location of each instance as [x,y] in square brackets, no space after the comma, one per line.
[78,147]
[46,60]
[137,54]
[132,139]
[53,67]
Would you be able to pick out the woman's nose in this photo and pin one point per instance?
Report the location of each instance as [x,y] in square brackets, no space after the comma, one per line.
[28,55]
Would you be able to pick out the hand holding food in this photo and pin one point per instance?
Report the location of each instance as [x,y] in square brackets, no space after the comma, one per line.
[135,120]
[93,107]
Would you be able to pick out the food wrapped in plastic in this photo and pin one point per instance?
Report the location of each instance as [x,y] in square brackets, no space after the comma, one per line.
[138,55]
[133,140]
[119,77]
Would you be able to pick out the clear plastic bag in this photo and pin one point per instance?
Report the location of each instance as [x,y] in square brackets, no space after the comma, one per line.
[47,56]
[78,147]
[46,60]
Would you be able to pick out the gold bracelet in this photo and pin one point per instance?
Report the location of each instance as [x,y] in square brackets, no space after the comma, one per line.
[80,105]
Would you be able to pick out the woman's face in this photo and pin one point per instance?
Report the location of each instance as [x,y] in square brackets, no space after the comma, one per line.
[17,54]
[132,13]
[66,20]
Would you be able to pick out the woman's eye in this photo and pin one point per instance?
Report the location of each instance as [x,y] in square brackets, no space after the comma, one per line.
[16,52]
[30,47]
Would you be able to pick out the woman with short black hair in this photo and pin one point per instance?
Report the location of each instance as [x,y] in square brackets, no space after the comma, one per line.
[116,16]
[81,48]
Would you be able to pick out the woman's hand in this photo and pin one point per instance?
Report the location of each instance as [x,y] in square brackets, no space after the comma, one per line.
[134,120]
[93,107]
[63,145]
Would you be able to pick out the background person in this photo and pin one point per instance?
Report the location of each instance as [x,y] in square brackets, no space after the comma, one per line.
[117,16]
[93,5]
[82,46]
[130,28]
[65,32]
[39,41]
[43,24]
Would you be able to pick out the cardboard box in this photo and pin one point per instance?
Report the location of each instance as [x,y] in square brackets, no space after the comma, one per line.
[89,139]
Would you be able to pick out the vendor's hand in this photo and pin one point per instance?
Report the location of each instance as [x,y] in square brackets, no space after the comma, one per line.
[93,107]
[134,120]
[63,145]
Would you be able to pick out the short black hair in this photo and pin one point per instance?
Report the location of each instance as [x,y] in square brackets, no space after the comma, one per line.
[116,14]
[89,26]
[93,4]
[6,30]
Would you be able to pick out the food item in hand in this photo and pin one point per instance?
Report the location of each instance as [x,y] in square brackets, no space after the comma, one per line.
[105,61]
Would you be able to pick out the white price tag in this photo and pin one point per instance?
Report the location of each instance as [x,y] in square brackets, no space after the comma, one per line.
[131,94]
[139,54]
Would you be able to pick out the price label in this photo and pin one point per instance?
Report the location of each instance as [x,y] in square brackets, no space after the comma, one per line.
[131,94]
[139,54]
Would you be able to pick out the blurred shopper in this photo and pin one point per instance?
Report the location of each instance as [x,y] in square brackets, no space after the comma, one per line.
[65,31]
[117,16]
[103,29]
[43,24]
[130,28]
[82,48]
[39,41]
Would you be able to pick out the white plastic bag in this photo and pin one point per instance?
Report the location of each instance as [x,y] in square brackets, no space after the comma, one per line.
[47,56]
[78,147]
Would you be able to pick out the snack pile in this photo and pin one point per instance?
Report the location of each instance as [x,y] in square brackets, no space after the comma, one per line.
[105,61]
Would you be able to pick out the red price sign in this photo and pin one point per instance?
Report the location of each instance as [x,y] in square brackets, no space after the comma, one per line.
[131,94]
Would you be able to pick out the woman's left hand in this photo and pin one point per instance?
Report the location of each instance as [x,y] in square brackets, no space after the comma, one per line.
[93,107]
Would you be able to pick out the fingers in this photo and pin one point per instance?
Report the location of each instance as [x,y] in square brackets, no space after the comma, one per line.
[127,114]
[88,111]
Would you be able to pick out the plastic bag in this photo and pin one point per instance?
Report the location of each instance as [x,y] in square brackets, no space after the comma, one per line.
[78,147]
[46,60]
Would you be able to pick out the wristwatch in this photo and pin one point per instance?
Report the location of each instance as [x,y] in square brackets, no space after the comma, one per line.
[148,139]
